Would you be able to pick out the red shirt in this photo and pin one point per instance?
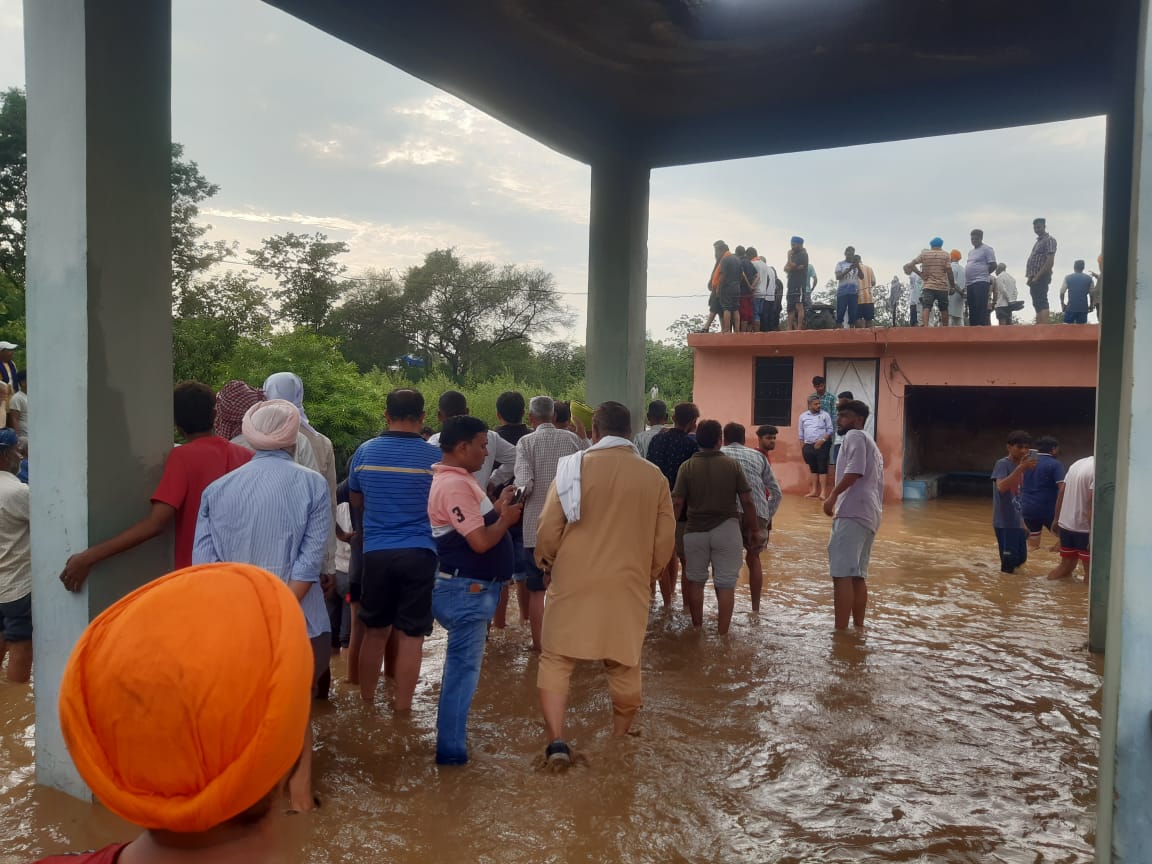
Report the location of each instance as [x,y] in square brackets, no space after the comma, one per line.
[189,470]
[107,855]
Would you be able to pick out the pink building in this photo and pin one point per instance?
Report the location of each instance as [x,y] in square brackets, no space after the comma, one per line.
[943,399]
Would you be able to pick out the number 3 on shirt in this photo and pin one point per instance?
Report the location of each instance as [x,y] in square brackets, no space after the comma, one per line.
[458,513]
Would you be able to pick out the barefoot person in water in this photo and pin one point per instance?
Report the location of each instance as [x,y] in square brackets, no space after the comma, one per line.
[190,745]
[1074,518]
[605,534]
[855,505]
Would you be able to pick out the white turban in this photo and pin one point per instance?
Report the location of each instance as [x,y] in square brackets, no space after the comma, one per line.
[271,425]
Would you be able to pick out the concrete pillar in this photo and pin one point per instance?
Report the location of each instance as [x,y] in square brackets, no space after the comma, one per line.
[1117,211]
[618,286]
[99,312]
[1124,820]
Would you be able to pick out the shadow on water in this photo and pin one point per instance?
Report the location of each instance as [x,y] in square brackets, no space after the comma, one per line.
[961,726]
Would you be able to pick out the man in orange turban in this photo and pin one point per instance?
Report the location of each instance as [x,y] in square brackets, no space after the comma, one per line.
[171,733]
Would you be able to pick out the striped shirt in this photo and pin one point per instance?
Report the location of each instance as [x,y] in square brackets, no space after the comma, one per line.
[537,456]
[934,267]
[274,514]
[1045,245]
[766,493]
[394,474]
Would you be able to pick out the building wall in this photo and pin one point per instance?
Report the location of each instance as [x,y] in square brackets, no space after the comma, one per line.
[1047,357]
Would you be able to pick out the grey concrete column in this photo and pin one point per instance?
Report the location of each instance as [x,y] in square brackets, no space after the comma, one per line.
[618,285]
[1124,819]
[99,312]
[1117,212]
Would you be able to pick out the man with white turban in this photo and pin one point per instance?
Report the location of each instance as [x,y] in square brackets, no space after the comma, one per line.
[276,515]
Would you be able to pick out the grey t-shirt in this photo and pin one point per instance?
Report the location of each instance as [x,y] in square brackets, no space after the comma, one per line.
[1005,505]
[864,500]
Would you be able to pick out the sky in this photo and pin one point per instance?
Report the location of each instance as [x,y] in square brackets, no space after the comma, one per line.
[304,133]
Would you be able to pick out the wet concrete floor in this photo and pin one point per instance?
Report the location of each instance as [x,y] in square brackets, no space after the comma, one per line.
[962,726]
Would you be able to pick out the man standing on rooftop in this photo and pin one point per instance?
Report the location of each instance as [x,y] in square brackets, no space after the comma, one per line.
[1075,294]
[797,270]
[1038,271]
[978,280]
[934,267]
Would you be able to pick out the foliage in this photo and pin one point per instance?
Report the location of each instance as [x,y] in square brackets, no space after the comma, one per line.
[306,268]
[210,318]
[191,254]
[668,367]
[345,405]
[685,324]
[457,311]
[13,180]
[368,324]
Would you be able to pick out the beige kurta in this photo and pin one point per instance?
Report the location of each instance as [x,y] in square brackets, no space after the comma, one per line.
[603,566]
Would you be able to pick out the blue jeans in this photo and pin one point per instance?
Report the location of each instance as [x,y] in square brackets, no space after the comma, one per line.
[463,607]
[846,303]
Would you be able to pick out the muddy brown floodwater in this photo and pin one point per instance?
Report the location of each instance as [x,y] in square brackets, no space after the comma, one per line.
[962,726]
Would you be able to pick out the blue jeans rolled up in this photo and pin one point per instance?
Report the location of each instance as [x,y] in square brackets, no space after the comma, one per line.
[463,607]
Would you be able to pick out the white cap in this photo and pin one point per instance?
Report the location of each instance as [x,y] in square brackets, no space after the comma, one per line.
[8,346]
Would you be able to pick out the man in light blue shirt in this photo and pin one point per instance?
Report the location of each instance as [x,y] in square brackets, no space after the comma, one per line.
[275,514]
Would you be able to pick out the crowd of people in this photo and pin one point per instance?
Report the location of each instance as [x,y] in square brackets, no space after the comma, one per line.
[15,551]
[748,295]
[582,526]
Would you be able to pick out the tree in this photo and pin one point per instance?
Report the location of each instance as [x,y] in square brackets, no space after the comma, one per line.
[668,367]
[347,406]
[457,310]
[369,324]
[308,273]
[13,182]
[559,367]
[210,318]
[191,254]
[685,324]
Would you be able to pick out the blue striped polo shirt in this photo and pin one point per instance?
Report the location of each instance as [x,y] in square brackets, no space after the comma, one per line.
[394,473]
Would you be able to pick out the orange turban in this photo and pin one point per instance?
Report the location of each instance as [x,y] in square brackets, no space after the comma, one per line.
[955,255]
[186,702]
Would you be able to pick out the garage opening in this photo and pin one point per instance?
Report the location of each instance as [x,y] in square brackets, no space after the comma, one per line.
[953,435]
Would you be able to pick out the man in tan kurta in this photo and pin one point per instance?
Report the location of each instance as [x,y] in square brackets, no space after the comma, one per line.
[605,534]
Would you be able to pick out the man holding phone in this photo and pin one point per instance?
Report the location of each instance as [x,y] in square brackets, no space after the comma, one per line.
[475,561]
[1007,519]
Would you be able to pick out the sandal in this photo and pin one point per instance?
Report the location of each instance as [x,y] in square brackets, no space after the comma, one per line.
[558,753]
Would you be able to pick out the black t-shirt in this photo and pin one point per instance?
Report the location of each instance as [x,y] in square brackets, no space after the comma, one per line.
[730,270]
[798,278]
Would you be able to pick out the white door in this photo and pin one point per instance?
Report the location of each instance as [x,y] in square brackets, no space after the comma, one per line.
[862,377]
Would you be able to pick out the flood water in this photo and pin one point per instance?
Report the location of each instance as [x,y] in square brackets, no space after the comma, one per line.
[961,727]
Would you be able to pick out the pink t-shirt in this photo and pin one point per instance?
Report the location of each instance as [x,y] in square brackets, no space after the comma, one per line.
[456,502]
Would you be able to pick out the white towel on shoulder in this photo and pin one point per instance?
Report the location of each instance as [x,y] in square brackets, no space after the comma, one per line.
[568,472]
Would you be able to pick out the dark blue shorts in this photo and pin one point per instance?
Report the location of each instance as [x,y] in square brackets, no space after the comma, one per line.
[16,620]
[535,580]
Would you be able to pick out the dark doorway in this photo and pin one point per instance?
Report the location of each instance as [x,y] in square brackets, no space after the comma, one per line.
[956,434]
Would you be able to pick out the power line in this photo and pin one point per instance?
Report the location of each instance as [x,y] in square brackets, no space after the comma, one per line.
[396,278]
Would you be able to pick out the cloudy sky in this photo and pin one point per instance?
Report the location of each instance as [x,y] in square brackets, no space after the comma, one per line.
[305,134]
